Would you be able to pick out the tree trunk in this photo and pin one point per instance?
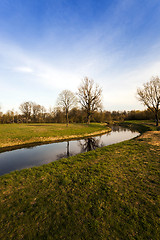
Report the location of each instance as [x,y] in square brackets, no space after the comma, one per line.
[88,118]
[156,118]
[67,118]
[68,149]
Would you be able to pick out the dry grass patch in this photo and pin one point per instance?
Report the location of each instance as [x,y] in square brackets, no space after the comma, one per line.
[152,138]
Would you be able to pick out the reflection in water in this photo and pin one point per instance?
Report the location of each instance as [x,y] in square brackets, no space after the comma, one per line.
[39,155]
[85,145]
[65,154]
[90,144]
[116,128]
[68,149]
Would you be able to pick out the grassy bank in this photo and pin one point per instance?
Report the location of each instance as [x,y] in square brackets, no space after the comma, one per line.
[110,193]
[141,126]
[18,135]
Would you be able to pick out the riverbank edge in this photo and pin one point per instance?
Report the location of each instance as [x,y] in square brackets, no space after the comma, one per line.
[50,140]
[141,127]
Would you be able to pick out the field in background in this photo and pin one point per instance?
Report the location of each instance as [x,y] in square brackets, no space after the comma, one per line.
[20,134]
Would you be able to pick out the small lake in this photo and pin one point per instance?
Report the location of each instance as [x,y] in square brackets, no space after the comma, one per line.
[43,154]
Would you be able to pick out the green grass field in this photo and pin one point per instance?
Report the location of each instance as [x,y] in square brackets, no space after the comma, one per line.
[110,193]
[13,135]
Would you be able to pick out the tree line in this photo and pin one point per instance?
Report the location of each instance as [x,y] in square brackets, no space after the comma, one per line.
[86,106]
[76,115]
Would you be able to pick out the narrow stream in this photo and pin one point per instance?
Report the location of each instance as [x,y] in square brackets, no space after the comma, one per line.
[43,154]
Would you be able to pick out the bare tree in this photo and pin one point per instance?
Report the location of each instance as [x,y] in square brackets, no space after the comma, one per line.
[36,108]
[89,97]
[66,100]
[150,96]
[26,109]
[42,113]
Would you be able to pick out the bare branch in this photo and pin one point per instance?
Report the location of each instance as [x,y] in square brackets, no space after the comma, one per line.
[66,100]
[89,96]
[149,95]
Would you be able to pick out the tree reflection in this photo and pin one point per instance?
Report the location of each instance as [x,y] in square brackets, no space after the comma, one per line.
[116,128]
[65,154]
[90,144]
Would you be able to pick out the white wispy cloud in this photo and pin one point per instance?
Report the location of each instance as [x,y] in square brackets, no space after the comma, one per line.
[42,72]
[23,69]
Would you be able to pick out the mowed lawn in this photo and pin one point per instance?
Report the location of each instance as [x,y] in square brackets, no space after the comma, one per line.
[17,134]
[110,193]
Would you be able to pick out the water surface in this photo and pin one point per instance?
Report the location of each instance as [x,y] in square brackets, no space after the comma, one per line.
[43,154]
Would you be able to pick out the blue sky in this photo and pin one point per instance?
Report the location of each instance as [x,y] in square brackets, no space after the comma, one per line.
[47,46]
